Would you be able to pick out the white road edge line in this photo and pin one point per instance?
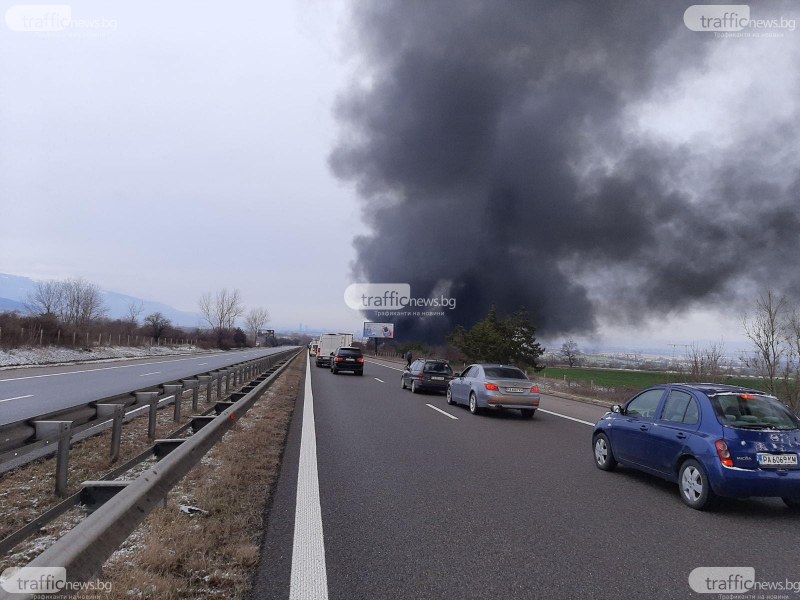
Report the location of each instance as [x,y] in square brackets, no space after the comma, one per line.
[381,380]
[16,398]
[555,414]
[153,373]
[447,414]
[309,580]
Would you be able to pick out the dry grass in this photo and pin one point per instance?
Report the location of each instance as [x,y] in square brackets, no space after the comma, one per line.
[29,491]
[212,553]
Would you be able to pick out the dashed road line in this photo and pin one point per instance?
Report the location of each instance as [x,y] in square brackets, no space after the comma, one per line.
[447,414]
[153,373]
[16,398]
[381,380]
[555,414]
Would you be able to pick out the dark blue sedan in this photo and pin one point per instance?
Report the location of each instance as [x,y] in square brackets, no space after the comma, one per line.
[711,439]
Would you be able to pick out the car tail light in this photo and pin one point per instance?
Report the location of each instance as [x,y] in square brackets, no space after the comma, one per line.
[339,359]
[361,360]
[746,396]
[535,389]
[421,377]
[724,454]
[491,387]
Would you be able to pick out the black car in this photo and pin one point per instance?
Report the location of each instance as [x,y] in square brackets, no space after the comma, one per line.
[347,359]
[427,374]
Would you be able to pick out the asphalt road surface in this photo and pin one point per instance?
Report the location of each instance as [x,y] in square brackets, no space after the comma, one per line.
[412,498]
[30,392]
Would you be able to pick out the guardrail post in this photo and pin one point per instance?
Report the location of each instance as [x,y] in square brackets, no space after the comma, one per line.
[60,431]
[226,373]
[194,385]
[176,390]
[206,380]
[117,413]
[219,376]
[152,399]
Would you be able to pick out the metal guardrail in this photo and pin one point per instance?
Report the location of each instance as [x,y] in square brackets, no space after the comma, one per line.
[83,550]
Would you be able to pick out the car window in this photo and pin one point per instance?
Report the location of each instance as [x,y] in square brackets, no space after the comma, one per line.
[470,372]
[680,407]
[645,404]
[753,411]
[438,366]
[349,352]
[504,373]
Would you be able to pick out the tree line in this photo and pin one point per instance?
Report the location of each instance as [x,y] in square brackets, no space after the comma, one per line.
[72,312]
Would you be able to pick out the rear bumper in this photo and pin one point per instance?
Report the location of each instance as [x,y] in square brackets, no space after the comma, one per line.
[744,483]
[498,401]
[433,386]
[323,362]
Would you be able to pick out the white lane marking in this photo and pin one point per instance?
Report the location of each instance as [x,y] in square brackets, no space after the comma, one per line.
[201,364]
[447,414]
[153,373]
[309,580]
[549,412]
[383,365]
[158,362]
[381,380]
[17,398]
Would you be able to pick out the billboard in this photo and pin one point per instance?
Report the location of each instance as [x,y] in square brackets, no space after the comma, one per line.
[378,330]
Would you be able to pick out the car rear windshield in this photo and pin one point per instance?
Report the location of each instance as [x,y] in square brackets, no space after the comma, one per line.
[504,373]
[753,411]
[349,352]
[437,367]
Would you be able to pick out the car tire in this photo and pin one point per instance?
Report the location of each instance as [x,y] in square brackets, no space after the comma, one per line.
[693,485]
[527,414]
[449,394]
[414,389]
[473,404]
[334,371]
[603,456]
[361,373]
[403,382]
[792,503]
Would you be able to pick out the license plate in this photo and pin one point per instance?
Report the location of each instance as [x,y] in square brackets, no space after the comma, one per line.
[516,390]
[350,359]
[776,460]
[437,378]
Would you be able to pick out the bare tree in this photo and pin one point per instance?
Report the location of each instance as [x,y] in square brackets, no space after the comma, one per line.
[765,330]
[706,363]
[570,352]
[134,310]
[256,319]
[46,298]
[220,311]
[157,324]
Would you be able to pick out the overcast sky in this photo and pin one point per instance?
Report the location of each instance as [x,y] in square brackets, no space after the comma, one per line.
[185,147]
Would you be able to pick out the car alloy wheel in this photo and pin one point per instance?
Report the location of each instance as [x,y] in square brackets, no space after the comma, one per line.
[414,388]
[450,397]
[403,382]
[473,405]
[694,488]
[603,457]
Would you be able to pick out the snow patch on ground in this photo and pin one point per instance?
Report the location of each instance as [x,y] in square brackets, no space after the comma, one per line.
[54,355]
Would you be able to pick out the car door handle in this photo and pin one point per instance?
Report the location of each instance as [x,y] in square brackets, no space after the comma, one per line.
[644,427]
[681,436]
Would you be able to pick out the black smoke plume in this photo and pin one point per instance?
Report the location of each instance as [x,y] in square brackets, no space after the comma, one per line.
[492,144]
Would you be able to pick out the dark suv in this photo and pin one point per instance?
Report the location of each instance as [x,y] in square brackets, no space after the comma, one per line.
[427,374]
[348,359]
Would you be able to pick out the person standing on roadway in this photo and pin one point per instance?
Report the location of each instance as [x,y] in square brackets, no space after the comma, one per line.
[408,358]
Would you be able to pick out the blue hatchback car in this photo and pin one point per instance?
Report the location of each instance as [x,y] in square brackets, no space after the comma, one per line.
[711,439]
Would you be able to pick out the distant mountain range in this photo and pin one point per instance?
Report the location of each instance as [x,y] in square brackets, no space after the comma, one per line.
[14,292]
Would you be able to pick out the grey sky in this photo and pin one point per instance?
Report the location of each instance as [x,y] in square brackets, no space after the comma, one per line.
[187,150]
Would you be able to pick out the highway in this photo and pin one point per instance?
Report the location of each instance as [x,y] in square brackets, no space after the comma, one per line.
[411,498]
[30,392]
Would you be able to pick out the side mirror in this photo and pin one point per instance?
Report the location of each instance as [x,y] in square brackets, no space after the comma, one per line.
[616,409]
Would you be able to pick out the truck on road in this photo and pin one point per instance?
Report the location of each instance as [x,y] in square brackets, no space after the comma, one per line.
[328,344]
